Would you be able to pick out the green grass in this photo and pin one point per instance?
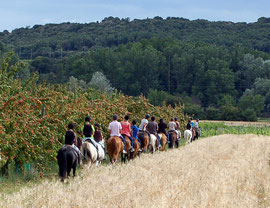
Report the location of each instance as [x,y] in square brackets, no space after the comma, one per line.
[212,129]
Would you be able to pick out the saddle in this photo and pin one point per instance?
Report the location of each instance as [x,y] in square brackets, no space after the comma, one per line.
[70,146]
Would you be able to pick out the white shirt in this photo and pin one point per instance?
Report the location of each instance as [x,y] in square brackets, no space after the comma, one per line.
[143,122]
[115,128]
[172,126]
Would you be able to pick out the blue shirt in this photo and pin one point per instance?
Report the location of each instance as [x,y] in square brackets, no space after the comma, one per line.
[135,130]
[192,124]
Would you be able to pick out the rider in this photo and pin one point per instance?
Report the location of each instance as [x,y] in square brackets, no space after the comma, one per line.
[71,139]
[98,135]
[115,129]
[143,124]
[162,128]
[152,127]
[135,131]
[88,132]
[172,127]
[177,126]
[126,128]
[189,125]
[196,126]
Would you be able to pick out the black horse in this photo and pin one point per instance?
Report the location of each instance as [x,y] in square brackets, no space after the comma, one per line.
[67,159]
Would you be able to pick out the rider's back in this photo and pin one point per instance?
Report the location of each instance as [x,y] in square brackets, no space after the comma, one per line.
[152,127]
[172,126]
[144,122]
[115,128]
[70,138]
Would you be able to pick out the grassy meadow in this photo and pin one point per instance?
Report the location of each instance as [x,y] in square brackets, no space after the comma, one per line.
[220,171]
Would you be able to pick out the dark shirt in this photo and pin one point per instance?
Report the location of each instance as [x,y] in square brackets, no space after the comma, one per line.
[70,137]
[152,127]
[188,126]
[98,136]
[162,128]
[87,130]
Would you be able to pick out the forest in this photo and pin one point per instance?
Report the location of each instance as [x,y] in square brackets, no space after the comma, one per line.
[217,70]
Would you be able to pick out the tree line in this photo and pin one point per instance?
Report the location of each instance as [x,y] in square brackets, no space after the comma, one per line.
[213,69]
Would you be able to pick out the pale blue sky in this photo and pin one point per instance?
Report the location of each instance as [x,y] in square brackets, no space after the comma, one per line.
[22,13]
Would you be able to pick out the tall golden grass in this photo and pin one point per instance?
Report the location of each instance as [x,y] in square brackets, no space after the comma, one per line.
[221,171]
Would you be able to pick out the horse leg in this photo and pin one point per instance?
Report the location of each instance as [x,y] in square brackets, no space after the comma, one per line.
[68,170]
[74,170]
[123,157]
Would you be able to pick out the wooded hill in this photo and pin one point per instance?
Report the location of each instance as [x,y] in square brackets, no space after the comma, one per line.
[49,39]
[219,70]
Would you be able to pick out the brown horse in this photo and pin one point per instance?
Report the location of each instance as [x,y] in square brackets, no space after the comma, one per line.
[163,141]
[196,134]
[193,134]
[172,139]
[136,149]
[145,140]
[128,149]
[115,146]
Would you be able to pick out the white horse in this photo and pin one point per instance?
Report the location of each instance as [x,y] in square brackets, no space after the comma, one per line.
[90,154]
[152,143]
[187,136]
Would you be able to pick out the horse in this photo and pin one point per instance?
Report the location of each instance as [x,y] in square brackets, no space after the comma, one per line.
[173,139]
[91,155]
[115,146]
[163,140]
[67,159]
[144,137]
[136,148]
[188,136]
[196,134]
[128,149]
[153,143]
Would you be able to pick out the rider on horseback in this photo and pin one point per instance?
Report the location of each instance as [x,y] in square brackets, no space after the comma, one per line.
[115,129]
[162,128]
[135,131]
[144,122]
[71,139]
[172,127]
[152,127]
[98,135]
[177,127]
[189,125]
[88,132]
[126,128]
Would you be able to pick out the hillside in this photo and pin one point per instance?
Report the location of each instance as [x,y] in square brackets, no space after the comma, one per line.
[221,171]
[54,40]
[218,70]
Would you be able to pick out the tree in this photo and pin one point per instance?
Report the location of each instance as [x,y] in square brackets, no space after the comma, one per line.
[99,81]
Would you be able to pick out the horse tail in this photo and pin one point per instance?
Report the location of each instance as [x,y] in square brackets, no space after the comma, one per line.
[113,149]
[62,162]
[86,151]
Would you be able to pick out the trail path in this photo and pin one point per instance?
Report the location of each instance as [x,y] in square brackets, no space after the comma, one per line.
[221,171]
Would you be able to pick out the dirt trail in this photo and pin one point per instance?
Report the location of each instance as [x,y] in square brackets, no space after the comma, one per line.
[221,171]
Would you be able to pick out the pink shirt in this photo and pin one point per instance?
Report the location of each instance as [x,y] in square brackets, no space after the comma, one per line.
[126,129]
[115,128]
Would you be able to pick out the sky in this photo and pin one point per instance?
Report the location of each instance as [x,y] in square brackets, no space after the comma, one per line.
[23,13]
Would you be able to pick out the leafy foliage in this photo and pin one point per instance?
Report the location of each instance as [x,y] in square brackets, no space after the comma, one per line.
[34,116]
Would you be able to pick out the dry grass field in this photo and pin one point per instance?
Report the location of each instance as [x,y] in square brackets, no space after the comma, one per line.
[221,171]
